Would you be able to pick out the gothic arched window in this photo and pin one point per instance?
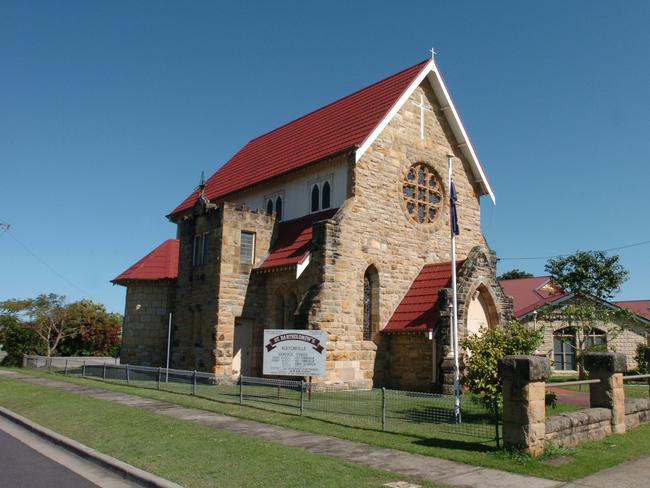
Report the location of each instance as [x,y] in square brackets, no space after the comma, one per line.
[278,207]
[315,198]
[269,207]
[326,195]
[370,303]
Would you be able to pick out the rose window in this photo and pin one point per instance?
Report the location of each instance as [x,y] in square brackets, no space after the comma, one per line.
[422,194]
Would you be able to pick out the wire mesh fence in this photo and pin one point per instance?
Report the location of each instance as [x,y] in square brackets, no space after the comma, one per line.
[407,412]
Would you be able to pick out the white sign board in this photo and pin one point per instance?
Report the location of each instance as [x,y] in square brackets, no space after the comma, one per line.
[294,352]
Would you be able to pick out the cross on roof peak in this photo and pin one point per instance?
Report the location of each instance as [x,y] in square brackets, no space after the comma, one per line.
[433,53]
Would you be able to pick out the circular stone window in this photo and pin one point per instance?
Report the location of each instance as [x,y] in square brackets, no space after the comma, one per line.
[422,193]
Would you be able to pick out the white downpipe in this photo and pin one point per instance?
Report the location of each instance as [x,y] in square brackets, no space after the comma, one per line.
[454,322]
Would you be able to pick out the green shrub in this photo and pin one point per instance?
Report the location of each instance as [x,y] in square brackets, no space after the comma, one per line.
[486,348]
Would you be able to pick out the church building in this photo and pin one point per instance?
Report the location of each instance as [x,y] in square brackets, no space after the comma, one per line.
[337,221]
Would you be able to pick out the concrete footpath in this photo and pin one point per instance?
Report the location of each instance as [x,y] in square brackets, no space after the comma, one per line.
[419,466]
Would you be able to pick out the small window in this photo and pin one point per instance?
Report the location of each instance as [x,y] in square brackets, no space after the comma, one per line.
[204,249]
[269,207]
[326,195]
[247,247]
[196,252]
[596,340]
[315,198]
[278,207]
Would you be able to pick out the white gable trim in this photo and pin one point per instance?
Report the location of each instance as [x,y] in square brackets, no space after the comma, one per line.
[431,72]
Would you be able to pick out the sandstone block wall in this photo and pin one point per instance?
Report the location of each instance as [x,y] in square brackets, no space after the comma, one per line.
[211,295]
[570,429]
[144,334]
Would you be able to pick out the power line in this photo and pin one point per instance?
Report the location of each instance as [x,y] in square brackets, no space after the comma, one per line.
[618,248]
[44,263]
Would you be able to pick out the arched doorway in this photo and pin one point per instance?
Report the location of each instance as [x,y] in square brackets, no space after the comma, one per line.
[481,311]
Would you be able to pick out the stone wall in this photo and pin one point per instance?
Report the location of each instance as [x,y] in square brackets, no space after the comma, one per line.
[593,424]
[570,429]
[144,334]
[637,411]
[211,295]
[410,360]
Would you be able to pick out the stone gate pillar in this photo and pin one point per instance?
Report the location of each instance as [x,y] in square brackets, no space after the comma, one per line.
[524,409]
[608,367]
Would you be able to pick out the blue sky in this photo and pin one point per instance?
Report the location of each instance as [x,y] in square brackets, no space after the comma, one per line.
[109,111]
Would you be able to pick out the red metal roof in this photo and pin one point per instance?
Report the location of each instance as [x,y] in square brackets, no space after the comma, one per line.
[529,294]
[418,310]
[640,307]
[339,126]
[294,240]
[159,264]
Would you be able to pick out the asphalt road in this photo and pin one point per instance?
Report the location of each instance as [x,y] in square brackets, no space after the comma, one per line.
[22,467]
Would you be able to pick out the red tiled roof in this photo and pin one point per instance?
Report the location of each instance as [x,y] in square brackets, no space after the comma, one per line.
[159,264]
[339,126]
[294,240]
[640,307]
[418,310]
[529,294]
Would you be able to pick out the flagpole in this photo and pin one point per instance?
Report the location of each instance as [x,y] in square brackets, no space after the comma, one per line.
[454,322]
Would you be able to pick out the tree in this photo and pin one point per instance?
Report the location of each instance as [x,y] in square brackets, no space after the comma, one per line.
[592,278]
[17,341]
[514,274]
[99,331]
[588,273]
[486,348]
[45,315]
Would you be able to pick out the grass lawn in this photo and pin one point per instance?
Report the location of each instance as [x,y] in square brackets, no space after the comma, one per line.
[585,459]
[185,452]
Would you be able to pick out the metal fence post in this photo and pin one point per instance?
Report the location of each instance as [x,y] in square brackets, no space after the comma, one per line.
[83,369]
[241,389]
[302,396]
[159,370]
[194,382]
[128,379]
[65,370]
[104,372]
[383,408]
[496,421]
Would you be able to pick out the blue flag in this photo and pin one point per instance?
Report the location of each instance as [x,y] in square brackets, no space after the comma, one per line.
[453,215]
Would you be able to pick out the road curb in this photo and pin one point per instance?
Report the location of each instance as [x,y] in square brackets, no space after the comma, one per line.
[121,468]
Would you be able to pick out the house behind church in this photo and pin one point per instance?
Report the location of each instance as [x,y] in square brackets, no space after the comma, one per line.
[335,221]
[532,296]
